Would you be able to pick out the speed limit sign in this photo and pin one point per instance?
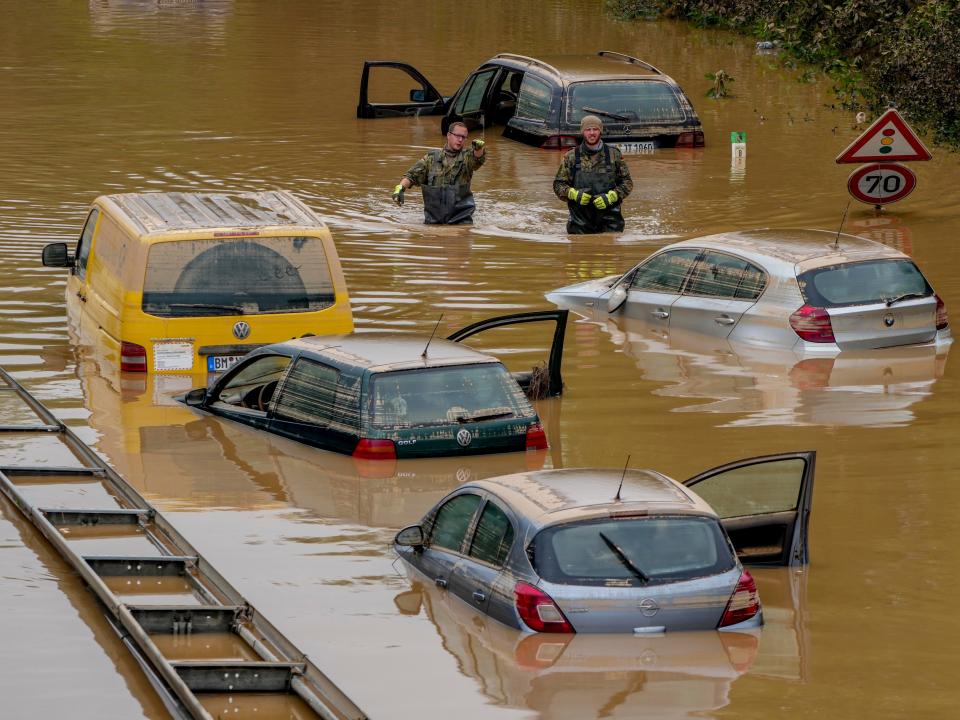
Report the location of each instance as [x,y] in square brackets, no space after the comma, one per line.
[881,183]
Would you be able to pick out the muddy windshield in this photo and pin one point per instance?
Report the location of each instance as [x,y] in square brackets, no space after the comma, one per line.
[863,283]
[632,551]
[462,394]
[624,101]
[245,276]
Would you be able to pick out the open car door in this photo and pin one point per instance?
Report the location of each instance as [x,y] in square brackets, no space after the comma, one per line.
[764,504]
[424,99]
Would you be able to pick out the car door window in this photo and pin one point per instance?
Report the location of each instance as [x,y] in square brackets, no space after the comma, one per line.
[493,536]
[310,395]
[725,276]
[453,520]
[533,103]
[754,489]
[471,99]
[85,243]
[665,272]
[252,385]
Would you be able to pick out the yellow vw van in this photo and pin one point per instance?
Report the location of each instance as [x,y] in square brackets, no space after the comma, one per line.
[173,282]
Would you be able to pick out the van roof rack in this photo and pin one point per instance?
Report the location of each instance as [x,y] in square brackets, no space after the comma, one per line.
[629,59]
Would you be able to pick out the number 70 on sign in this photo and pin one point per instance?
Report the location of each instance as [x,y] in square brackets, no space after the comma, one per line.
[881,183]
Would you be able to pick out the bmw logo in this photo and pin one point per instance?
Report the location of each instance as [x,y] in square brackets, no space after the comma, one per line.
[464,437]
[241,330]
[889,319]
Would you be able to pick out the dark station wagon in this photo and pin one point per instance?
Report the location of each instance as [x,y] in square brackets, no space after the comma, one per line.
[541,102]
[385,396]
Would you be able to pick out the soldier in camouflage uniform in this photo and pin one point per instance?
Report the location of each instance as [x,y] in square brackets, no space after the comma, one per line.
[594,179]
[444,177]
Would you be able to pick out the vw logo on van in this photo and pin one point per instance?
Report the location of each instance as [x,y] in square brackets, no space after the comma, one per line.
[464,437]
[241,330]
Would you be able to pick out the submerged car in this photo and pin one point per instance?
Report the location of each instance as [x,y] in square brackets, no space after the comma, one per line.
[541,101]
[386,396]
[599,550]
[816,292]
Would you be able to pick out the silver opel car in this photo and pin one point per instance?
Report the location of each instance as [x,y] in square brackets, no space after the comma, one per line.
[813,291]
[592,550]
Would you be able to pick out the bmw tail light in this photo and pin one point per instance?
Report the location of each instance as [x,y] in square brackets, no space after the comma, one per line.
[743,604]
[536,437]
[556,142]
[539,611]
[133,357]
[942,322]
[812,324]
[690,139]
[369,449]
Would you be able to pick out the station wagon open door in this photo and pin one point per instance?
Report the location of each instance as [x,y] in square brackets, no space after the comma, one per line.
[424,98]
[764,505]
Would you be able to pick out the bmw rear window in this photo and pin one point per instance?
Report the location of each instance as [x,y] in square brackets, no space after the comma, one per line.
[632,551]
[863,283]
[635,101]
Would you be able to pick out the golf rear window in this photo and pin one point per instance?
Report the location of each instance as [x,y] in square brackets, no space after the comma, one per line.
[862,283]
[632,551]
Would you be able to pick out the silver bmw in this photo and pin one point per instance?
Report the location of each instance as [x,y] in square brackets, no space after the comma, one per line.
[813,291]
[593,550]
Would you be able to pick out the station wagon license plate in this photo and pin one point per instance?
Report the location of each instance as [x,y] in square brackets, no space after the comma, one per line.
[635,148]
[219,363]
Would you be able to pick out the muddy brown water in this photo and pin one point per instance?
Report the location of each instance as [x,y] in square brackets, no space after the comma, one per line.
[109,96]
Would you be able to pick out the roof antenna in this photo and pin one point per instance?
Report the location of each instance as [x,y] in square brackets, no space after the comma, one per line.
[424,353]
[836,242]
[625,465]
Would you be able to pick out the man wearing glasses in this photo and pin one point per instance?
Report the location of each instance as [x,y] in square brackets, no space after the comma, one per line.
[444,177]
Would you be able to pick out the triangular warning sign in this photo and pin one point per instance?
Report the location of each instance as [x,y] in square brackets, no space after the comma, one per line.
[889,138]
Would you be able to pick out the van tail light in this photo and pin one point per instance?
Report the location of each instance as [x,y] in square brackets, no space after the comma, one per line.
[812,324]
[690,139]
[536,437]
[368,449]
[743,604]
[556,142]
[539,611]
[133,357]
[942,322]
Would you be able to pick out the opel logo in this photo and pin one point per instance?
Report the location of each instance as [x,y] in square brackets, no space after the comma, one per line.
[241,330]
[889,319]
[648,607]
[464,437]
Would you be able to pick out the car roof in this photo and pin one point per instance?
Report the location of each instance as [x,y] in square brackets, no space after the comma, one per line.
[381,352]
[163,212]
[548,497]
[803,247]
[605,65]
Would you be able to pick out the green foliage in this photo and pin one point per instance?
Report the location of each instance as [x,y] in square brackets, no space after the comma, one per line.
[902,51]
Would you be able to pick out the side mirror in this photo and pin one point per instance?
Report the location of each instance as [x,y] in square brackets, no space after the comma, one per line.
[410,536]
[196,397]
[618,296]
[57,255]
[418,95]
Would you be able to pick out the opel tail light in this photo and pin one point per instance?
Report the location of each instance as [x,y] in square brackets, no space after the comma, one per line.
[369,449]
[556,142]
[539,611]
[942,323]
[812,324]
[743,604]
[536,437]
[133,357]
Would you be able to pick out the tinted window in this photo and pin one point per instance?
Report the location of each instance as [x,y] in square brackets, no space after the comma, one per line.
[493,536]
[534,99]
[245,276]
[85,242]
[725,276]
[638,101]
[453,521]
[244,387]
[665,272]
[444,395]
[312,394]
[472,99]
[754,489]
[611,551]
[862,283]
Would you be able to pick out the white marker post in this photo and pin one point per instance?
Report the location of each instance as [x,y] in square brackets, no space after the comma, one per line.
[738,147]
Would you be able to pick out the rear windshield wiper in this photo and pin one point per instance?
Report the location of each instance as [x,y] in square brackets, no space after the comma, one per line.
[905,296]
[486,416]
[597,111]
[627,562]
[236,309]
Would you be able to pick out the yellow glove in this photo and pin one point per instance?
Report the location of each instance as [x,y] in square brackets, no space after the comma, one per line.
[579,196]
[477,144]
[398,194]
[602,202]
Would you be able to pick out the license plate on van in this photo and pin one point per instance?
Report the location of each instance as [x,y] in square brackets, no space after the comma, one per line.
[635,148]
[219,363]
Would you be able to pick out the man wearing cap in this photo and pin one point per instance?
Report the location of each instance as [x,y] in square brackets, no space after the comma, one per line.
[594,179]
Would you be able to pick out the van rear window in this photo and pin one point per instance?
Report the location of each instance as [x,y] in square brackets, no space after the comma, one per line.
[245,276]
[632,551]
[862,283]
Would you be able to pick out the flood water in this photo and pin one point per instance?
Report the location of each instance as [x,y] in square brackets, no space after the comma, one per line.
[105,97]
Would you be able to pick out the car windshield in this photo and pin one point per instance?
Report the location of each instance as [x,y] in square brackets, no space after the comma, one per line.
[245,276]
[862,283]
[632,551]
[634,101]
[460,394]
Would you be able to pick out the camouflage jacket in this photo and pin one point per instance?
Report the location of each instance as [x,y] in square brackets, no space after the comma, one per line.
[444,168]
[588,161]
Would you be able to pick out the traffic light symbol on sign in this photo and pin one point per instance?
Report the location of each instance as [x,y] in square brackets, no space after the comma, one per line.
[888,138]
